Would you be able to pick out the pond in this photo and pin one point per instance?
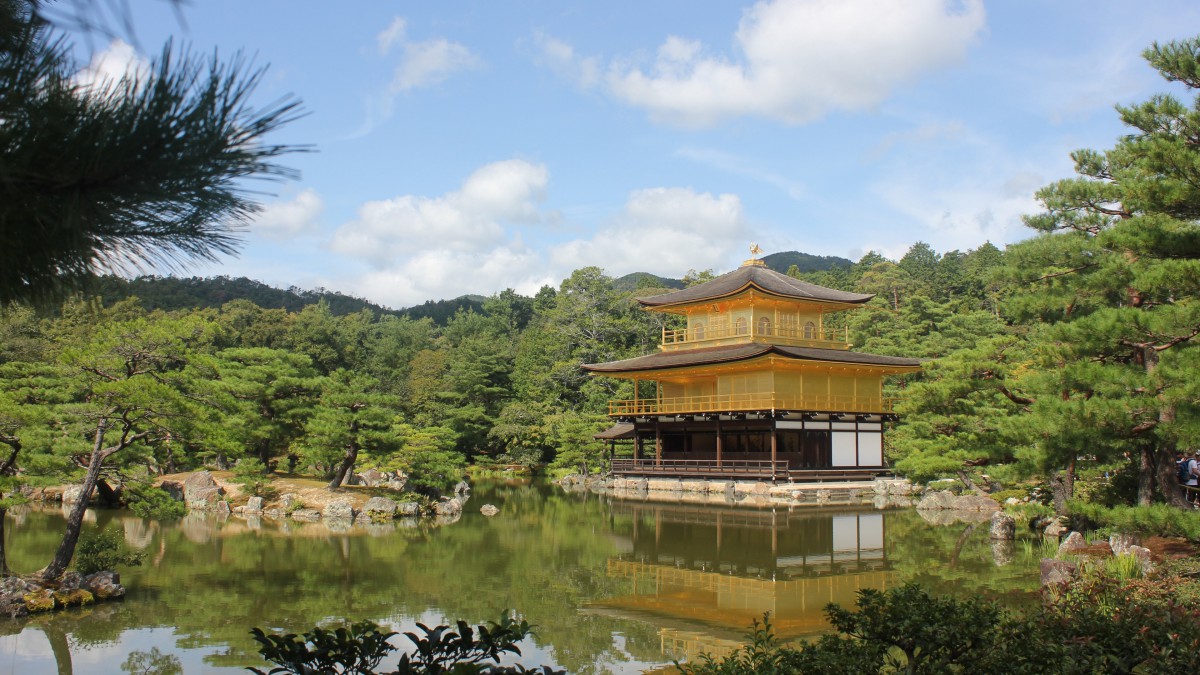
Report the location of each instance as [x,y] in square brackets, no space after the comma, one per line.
[612,586]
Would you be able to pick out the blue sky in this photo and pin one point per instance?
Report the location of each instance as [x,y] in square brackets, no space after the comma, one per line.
[468,147]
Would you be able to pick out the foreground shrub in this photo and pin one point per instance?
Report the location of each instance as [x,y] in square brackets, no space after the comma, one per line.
[1098,625]
[104,550]
[360,648]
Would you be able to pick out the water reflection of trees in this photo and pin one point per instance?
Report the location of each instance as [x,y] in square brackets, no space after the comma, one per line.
[547,554]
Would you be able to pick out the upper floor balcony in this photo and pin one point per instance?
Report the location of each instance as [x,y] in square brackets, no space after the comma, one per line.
[750,402]
[741,330]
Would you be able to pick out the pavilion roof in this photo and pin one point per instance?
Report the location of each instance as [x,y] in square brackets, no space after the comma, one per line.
[752,275]
[745,352]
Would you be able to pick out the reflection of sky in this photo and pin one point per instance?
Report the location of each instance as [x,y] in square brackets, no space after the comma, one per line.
[29,652]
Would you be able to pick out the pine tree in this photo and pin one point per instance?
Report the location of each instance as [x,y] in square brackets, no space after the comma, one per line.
[1115,271]
[121,175]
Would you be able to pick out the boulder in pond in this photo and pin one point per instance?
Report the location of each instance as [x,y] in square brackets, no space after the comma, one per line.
[448,507]
[104,585]
[380,505]
[1003,527]
[408,509]
[339,510]
[489,510]
[253,505]
[306,515]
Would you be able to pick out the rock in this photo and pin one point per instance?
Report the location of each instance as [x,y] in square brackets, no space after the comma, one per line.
[372,477]
[253,505]
[41,600]
[489,510]
[1011,500]
[1143,555]
[1055,529]
[408,509]
[975,503]
[1003,527]
[199,487]
[223,507]
[381,505]
[289,502]
[70,581]
[306,515]
[1057,572]
[72,494]
[74,598]
[1120,543]
[448,507]
[339,510]
[939,500]
[1074,542]
[397,483]
[173,488]
[461,488]
[104,585]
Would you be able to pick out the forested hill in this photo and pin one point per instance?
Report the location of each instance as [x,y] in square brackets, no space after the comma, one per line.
[781,262]
[175,293]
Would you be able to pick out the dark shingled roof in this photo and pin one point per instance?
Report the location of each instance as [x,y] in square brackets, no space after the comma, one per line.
[712,355]
[764,278]
[620,430]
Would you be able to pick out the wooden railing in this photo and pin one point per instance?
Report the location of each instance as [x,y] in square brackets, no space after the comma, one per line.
[687,405]
[829,338]
[761,468]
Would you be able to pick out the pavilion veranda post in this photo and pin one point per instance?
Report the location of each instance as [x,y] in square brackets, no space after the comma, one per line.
[756,386]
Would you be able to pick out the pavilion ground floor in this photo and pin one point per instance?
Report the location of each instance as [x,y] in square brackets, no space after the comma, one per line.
[798,446]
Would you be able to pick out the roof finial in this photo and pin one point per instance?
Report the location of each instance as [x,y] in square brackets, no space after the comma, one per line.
[754,250]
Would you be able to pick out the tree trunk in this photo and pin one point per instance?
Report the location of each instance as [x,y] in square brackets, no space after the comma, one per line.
[348,461]
[1145,476]
[106,494]
[66,549]
[4,571]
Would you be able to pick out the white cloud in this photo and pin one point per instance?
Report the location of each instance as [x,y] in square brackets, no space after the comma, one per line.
[562,59]
[472,219]
[431,62]
[389,36]
[965,212]
[667,231]
[116,62]
[284,220]
[795,60]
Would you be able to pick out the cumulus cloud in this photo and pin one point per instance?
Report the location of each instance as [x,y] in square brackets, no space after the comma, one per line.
[112,64]
[666,231]
[562,59]
[431,62]
[422,63]
[468,220]
[389,36]
[963,212]
[794,60]
[287,219]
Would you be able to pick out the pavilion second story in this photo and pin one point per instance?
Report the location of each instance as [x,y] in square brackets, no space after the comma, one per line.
[755,343]
[755,304]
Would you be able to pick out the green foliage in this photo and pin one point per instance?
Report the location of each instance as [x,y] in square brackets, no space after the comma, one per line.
[104,550]
[1100,624]
[148,501]
[253,476]
[360,647]
[127,173]
[1156,519]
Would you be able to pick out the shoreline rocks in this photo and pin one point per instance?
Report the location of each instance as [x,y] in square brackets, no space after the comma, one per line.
[20,596]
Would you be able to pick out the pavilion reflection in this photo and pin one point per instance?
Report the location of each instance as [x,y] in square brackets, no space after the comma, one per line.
[704,574]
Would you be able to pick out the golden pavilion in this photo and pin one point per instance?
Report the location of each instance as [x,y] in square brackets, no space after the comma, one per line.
[755,386]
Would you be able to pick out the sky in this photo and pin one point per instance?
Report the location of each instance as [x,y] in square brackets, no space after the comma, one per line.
[469,147]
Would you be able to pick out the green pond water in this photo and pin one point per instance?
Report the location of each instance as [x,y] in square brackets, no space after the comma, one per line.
[613,586]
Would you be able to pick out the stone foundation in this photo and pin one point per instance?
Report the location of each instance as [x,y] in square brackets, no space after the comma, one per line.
[880,493]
